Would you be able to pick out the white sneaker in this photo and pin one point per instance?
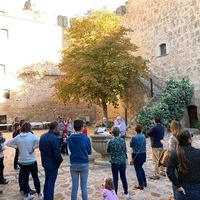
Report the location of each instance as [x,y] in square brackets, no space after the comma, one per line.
[28,197]
[127,196]
[40,197]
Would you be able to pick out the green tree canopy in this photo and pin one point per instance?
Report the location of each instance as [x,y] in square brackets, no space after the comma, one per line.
[98,63]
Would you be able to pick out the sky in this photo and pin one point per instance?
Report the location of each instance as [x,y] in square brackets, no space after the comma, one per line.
[69,8]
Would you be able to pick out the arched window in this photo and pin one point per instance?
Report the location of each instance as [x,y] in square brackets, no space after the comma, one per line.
[163,49]
[6,94]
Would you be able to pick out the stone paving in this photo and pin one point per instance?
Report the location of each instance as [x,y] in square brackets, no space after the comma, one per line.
[156,189]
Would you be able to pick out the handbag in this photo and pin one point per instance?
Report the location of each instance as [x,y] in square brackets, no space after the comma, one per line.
[164,158]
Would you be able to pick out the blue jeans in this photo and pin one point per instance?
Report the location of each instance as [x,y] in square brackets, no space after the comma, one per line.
[50,179]
[121,168]
[138,163]
[81,170]
[33,170]
[190,194]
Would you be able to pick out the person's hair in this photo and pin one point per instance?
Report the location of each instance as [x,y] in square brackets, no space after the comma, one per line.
[138,128]
[26,127]
[115,131]
[78,124]
[157,120]
[53,125]
[68,119]
[16,125]
[109,185]
[183,139]
[175,127]
[22,121]
[17,119]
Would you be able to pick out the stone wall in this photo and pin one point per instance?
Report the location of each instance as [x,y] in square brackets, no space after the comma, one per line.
[175,23]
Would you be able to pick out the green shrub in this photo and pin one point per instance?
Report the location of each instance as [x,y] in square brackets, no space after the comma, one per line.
[171,105]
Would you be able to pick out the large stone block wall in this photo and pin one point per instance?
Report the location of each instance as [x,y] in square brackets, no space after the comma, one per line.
[176,23]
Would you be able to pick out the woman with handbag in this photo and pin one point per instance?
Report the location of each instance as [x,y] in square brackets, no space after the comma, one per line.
[138,145]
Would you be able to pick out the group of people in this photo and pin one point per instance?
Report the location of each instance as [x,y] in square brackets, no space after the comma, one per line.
[25,142]
[182,169]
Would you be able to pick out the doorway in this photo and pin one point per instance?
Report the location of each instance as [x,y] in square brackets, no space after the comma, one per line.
[192,112]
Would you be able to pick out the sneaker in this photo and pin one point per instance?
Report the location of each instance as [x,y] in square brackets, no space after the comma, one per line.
[127,196]
[140,187]
[40,197]
[28,197]
[32,192]
[154,177]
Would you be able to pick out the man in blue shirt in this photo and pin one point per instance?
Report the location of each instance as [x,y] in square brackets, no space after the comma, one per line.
[156,135]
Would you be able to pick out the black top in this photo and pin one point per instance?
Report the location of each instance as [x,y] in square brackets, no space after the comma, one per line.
[192,178]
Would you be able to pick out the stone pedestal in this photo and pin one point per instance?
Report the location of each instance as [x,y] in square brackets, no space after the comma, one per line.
[99,144]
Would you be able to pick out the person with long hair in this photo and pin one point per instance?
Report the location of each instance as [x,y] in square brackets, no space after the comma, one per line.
[183,168]
[27,142]
[175,129]
[138,145]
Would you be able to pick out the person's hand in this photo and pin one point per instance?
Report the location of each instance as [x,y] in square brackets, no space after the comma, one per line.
[181,189]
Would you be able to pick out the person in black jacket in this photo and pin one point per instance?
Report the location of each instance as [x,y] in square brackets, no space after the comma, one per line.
[183,169]
[49,146]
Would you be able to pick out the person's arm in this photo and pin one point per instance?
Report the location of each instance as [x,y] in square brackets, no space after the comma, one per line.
[150,132]
[132,142]
[89,148]
[171,168]
[12,143]
[108,147]
[56,151]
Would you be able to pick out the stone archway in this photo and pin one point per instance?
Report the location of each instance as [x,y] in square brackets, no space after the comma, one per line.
[192,113]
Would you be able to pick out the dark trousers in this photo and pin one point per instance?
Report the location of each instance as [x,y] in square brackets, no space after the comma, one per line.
[50,179]
[16,158]
[138,163]
[33,170]
[121,168]
[1,168]
[64,148]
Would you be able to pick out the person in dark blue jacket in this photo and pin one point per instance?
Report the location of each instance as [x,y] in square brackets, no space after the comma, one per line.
[51,158]
[156,135]
[80,148]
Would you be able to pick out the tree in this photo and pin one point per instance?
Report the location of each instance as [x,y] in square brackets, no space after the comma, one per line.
[98,62]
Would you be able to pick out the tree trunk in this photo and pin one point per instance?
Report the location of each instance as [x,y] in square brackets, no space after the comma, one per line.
[105,110]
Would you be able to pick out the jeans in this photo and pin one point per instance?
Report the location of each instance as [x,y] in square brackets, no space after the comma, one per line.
[190,194]
[81,170]
[138,163]
[26,170]
[121,168]
[1,168]
[50,179]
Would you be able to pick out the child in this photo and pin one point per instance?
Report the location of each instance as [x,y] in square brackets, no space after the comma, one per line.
[2,148]
[108,190]
[64,148]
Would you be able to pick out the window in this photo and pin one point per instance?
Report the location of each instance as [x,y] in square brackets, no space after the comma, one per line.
[2,69]
[163,49]
[3,33]
[62,21]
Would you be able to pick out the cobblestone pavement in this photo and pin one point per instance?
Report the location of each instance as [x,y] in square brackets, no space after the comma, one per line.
[156,189]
